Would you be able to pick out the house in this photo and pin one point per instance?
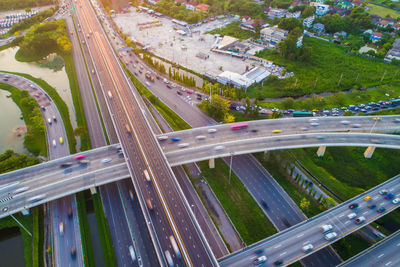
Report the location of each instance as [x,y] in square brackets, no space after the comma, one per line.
[375,19]
[295,3]
[191,6]
[295,15]
[393,53]
[307,22]
[319,28]
[375,36]
[250,25]
[245,19]
[391,21]
[357,3]
[340,35]
[396,26]
[344,4]
[338,10]
[277,13]
[202,7]
[321,9]
[152,2]
[273,35]
[383,23]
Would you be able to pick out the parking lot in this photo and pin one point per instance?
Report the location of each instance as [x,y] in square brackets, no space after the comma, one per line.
[165,42]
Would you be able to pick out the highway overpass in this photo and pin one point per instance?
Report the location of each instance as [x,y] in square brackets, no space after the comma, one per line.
[383,253]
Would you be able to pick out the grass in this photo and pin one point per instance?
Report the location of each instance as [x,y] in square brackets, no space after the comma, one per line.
[176,122]
[382,11]
[37,141]
[104,231]
[233,30]
[329,65]
[273,165]
[76,97]
[356,174]
[38,236]
[27,221]
[350,245]
[88,257]
[246,215]
[61,106]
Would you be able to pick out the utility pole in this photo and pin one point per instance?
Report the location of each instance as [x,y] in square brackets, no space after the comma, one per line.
[383,76]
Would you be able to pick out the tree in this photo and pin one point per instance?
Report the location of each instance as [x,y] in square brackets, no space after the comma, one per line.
[248,106]
[275,115]
[304,204]
[308,11]
[348,113]
[288,103]
[289,24]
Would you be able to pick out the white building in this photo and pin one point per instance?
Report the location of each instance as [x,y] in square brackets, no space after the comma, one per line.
[308,21]
[243,81]
[273,35]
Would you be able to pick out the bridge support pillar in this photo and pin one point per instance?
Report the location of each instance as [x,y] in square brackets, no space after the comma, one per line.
[321,151]
[93,190]
[25,212]
[211,163]
[369,152]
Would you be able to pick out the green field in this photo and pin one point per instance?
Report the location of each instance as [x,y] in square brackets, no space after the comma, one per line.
[383,11]
[246,215]
[234,30]
[331,69]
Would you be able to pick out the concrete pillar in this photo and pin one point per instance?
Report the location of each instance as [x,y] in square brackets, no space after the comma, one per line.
[211,163]
[265,152]
[25,212]
[369,152]
[321,151]
[93,190]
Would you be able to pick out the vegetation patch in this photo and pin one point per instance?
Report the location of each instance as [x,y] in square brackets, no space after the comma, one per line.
[350,245]
[382,11]
[330,69]
[233,29]
[21,4]
[56,64]
[248,218]
[35,137]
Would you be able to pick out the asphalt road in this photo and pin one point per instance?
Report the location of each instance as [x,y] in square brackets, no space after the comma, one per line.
[140,146]
[287,245]
[177,155]
[383,253]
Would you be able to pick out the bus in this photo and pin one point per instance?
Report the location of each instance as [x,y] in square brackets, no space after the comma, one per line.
[174,246]
[169,258]
[302,114]
[239,126]
[146,174]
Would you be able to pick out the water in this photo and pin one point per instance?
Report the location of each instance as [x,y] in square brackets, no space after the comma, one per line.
[58,80]
[11,247]
[12,126]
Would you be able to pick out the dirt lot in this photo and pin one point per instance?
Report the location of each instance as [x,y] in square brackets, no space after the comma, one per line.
[167,43]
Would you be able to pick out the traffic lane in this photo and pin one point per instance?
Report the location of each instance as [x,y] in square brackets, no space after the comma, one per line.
[309,231]
[138,223]
[121,238]
[53,167]
[262,187]
[190,154]
[384,253]
[218,247]
[287,126]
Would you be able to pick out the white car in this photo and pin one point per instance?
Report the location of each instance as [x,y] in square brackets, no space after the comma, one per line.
[54,143]
[330,236]
[326,228]
[396,201]
[162,137]
[345,122]
[307,248]
[183,145]
[351,216]
[106,160]
[260,260]
[219,148]
[315,124]
[212,130]
[61,228]
[200,137]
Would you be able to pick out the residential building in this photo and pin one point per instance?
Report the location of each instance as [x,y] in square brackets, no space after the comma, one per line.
[273,35]
[393,53]
[344,4]
[321,9]
[250,25]
[319,28]
[375,19]
[338,10]
[307,22]
[340,35]
[375,36]
[202,7]
[277,13]
[191,6]
[383,23]
[295,3]
[357,3]
[295,15]
[396,26]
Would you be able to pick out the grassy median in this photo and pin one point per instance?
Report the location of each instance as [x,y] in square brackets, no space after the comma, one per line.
[248,218]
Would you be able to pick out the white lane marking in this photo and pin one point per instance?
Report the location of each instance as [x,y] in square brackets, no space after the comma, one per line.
[381,255]
[398,245]
[340,216]
[388,263]
[283,253]
[308,241]
[365,212]
[300,235]
[281,245]
[375,198]
[347,222]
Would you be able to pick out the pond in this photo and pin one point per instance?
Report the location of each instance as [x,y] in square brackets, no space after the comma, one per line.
[12,128]
[58,80]
[11,247]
